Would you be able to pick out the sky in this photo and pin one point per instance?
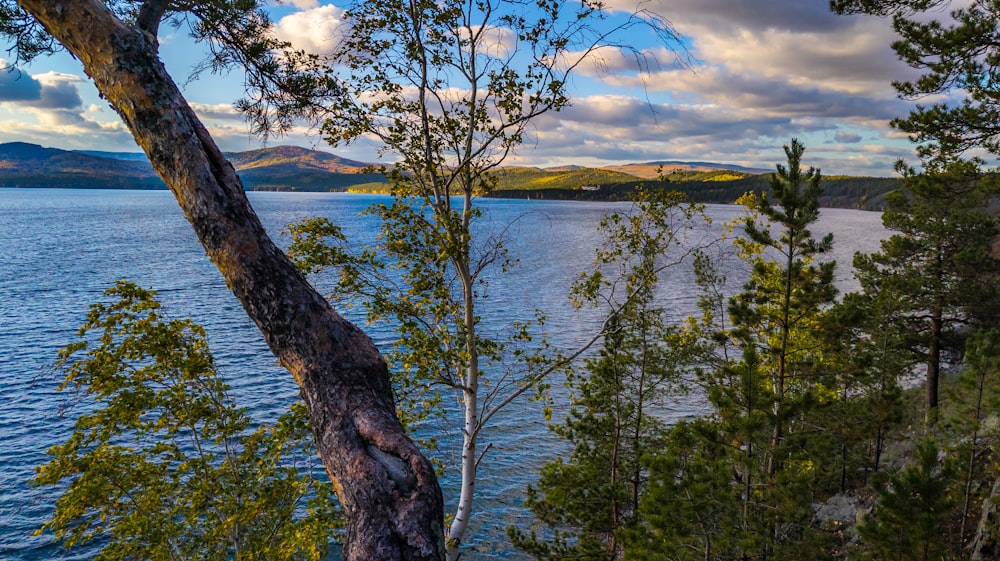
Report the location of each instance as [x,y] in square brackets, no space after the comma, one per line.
[758,73]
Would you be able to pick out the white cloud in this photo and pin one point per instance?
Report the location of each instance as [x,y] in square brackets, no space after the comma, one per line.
[49,90]
[316,30]
[855,61]
[218,111]
[764,72]
[55,110]
[59,91]
[67,130]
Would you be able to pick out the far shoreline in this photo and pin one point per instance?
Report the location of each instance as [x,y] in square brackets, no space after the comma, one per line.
[605,194]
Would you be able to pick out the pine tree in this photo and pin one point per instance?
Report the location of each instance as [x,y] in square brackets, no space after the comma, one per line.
[694,508]
[586,501]
[912,506]
[863,347]
[958,52]
[976,399]
[937,274]
[589,498]
[777,313]
[763,374]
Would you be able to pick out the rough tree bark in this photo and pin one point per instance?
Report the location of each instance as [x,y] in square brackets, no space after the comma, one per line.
[389,492]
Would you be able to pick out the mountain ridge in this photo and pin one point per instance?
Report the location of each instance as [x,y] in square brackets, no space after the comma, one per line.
[293,168]
[270,166]
[654,169]
[279,168]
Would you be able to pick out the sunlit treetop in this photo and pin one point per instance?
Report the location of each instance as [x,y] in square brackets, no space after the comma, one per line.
[958,53]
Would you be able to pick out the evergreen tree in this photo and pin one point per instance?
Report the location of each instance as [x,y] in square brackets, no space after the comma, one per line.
[864,348]
[693,509]
[763,373]
[977,399]
[910,512]
[588,499]
[776,316]
[958,52]
[937,274]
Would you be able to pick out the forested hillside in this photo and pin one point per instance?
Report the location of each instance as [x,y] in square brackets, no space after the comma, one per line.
[724,188]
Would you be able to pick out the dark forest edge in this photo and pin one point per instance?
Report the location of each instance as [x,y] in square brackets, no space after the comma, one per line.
[865,193]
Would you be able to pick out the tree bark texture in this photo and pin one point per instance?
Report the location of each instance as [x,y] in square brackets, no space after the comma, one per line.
[389,492]
[933,369]
[986,542]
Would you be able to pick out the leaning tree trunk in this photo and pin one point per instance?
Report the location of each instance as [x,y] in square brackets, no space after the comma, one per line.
[388,490]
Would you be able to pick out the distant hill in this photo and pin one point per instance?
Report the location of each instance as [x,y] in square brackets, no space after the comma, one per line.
[651,170]
[568,177]
[291,168]
[30,165]
[294,158]
[867,193]
[285,168]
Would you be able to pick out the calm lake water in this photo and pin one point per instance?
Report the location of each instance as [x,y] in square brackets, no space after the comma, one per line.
[62,248]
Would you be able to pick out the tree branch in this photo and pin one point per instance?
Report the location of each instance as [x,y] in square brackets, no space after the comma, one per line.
[150,14]
[343,378]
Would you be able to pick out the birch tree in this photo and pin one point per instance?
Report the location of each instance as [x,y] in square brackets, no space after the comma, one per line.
[450,88]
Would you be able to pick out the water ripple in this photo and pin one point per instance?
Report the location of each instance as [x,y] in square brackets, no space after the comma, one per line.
[63,248]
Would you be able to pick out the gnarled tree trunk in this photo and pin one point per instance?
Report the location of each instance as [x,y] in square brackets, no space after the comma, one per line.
[389,492]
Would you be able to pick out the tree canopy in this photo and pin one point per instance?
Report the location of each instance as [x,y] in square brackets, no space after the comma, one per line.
[163,464]
[959,54]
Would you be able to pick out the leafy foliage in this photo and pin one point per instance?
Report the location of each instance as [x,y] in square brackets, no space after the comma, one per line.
[163,465]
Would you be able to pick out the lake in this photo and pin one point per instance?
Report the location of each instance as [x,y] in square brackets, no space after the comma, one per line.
[61,249]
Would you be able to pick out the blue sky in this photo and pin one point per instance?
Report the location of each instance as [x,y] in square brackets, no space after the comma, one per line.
[762,73]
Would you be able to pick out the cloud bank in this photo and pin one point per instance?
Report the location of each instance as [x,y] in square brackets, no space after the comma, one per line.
[760,74]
